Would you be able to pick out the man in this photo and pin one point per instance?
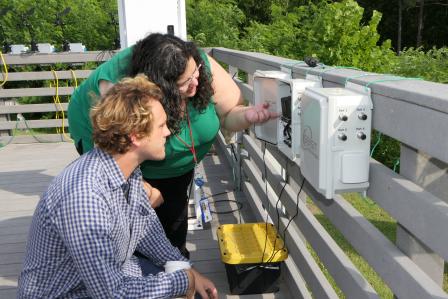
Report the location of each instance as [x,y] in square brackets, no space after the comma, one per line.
[95,215]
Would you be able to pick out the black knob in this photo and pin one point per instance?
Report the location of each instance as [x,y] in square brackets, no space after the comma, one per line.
[343,117]
[342,137]
[362,116]
[361,136]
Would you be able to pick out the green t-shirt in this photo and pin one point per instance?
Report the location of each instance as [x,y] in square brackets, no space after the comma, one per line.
[179,159]
[83,98]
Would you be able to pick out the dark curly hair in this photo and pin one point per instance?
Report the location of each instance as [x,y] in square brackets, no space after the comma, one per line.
[163,58]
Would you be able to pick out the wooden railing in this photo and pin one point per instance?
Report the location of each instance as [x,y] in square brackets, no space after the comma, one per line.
[411,111]
[13,115]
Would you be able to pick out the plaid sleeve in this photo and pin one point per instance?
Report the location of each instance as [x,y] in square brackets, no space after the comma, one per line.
[85,225]
[155,245]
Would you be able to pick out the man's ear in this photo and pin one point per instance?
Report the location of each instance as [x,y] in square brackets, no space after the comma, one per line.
[134,139]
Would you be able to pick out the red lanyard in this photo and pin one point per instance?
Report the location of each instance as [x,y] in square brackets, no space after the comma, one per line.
[190,147]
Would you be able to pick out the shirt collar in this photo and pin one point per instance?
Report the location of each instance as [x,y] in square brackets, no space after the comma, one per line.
[113,171]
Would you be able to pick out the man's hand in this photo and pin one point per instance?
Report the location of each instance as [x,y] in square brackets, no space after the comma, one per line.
[154,196]
[259,114]
[204,286]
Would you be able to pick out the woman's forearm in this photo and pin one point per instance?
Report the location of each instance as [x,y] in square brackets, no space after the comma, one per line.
[236,120]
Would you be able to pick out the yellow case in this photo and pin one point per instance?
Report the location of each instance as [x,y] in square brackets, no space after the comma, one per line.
[244,243]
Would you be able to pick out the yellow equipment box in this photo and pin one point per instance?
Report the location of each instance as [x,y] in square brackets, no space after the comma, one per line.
[252,253]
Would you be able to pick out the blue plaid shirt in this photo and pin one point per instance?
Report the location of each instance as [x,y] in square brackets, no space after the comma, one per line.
[85,231]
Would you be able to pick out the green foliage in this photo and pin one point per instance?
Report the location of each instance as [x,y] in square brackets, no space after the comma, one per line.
[87,22]
[335,34]
[277,38]
[330,31]
[431,65]
[256,10]
[214,23]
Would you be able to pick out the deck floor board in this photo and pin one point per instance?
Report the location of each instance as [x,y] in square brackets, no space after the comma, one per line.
[27,169]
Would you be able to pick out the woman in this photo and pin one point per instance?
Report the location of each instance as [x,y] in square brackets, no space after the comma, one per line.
[199,97]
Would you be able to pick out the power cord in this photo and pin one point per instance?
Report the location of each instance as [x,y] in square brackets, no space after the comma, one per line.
[289,222]
[12,137]
[100,57]
[20,118]
[239,204]
[266,202]
[378,140]
[57,103]
[73,79]
[278,215]
[5,68]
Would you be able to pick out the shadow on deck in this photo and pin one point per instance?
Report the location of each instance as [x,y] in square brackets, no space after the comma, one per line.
[25,172]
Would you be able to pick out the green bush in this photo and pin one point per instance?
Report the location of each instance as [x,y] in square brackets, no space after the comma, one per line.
[333,32]
[431,65]
[214,23]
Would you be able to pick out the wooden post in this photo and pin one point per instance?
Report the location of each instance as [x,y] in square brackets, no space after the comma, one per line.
[234,139]
[430,174]
[4,117]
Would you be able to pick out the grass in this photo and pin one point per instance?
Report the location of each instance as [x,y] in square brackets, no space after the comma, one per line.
[382,221]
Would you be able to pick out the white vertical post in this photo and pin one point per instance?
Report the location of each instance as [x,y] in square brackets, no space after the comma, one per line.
[182,19]
[139,18]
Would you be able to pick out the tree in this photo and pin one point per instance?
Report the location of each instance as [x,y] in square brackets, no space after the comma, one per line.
[331,31]
[420,23]
[256,10]
[86,22]
[214,23]
[400,21]
[425,23]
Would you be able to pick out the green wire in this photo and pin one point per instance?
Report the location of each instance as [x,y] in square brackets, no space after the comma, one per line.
[32,133]
[338,68]
[12,137]
[378,140]
[392,78]
[358,76]
[321,66]
[397,162]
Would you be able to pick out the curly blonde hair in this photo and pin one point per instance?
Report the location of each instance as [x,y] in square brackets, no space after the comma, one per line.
[122,111]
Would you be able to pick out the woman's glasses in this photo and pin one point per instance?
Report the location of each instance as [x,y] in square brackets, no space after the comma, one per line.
[187,82]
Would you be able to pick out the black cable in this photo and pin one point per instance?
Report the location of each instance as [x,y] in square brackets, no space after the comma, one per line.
[239,204]
[267,202]
[100,56]
[233,151]
[220,193]
[289,222]
[278,217]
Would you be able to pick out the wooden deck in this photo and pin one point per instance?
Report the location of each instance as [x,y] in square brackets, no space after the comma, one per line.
[27,169]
